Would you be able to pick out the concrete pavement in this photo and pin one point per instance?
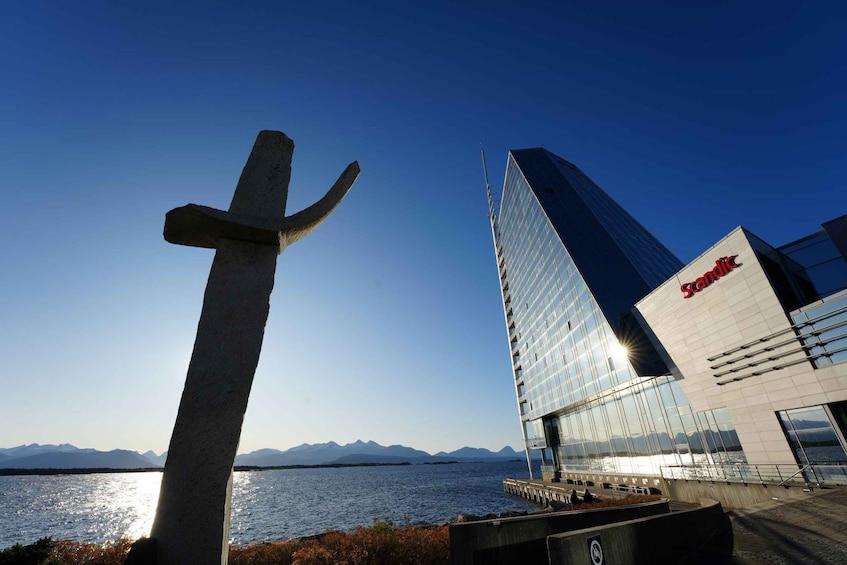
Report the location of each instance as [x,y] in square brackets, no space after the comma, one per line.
[812,530]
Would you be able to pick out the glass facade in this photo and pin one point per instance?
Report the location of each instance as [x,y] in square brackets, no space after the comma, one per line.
[816,258]
[641,428]
[562,346]
[822,327]
[650,258]
[812,436]
[563,246]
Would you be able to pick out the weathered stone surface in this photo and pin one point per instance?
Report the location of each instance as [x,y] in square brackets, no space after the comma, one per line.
[201,226]
[192,519]
[262,189]
[193,513]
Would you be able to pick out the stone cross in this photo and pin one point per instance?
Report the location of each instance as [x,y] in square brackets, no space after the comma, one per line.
[192,519]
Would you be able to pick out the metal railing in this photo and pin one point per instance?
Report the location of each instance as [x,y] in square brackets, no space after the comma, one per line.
[787,474]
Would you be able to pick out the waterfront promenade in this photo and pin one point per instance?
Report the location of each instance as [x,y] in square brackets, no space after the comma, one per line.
[809,530]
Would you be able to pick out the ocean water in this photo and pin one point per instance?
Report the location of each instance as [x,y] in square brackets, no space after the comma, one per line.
[266,505]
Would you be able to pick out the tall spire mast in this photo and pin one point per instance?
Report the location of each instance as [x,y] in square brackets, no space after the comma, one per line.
[492,214]
[504,293]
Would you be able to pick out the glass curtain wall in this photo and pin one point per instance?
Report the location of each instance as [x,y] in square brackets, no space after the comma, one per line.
[823,329]
[816,257]
[575,370]
[812,436]
[648,255]
[814,440]
[641,428]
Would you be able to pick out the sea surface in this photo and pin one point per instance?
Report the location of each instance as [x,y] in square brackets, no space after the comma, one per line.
[266,505]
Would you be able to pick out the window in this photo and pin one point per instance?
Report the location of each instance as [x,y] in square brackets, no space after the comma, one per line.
[812,436]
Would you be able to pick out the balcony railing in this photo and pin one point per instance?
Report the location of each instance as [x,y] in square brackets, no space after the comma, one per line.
[769,474]
[536,442]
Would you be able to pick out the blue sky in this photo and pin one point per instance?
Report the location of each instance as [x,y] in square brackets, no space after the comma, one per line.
[386,323]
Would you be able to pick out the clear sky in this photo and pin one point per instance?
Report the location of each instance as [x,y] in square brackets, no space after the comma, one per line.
[386,323]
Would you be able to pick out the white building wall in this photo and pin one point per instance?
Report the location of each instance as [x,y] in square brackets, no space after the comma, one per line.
[738,309]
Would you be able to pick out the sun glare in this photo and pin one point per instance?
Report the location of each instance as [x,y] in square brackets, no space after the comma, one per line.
[620,351]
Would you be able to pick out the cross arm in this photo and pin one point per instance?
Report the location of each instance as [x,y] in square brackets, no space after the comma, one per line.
[202,226]
[301,224]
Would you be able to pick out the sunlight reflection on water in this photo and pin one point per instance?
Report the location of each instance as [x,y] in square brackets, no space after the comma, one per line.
[266,505]
[90,508]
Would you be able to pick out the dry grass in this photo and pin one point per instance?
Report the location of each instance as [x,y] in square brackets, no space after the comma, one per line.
[382,544]
[65,551]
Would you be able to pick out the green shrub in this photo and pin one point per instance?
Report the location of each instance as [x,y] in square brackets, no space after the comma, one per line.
[37,553]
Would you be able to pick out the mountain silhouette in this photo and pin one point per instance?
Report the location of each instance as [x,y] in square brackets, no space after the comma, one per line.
[67,456]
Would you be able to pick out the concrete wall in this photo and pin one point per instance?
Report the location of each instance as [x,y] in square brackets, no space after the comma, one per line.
[732,495]
[523,539]
[702,535]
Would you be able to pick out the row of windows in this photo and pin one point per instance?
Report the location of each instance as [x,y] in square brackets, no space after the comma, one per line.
[566,348]
[642,428]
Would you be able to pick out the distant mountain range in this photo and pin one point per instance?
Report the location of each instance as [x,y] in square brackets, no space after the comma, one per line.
[67,456]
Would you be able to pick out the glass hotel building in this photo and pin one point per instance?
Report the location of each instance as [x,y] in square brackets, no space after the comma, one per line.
[627,361]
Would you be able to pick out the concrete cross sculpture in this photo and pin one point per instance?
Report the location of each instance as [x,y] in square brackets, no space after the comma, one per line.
[192,519]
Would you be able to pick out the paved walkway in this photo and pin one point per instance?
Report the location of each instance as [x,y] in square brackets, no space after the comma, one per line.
[809,531]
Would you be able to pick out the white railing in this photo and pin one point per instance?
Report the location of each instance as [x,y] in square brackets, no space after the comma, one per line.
[787,474]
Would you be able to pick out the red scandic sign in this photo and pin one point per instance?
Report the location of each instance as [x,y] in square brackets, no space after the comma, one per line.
[722,267]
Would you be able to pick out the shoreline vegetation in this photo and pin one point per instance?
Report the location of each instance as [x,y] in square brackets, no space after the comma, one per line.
[383,543]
